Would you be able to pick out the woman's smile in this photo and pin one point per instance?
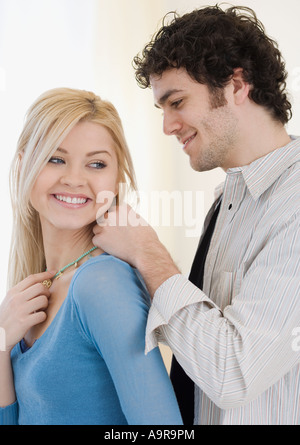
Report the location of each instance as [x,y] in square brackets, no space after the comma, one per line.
[70,201]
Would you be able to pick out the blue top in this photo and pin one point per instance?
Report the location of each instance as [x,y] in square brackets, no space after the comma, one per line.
[89,366]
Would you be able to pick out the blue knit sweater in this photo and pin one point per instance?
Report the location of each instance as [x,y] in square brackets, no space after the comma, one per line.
[89,367]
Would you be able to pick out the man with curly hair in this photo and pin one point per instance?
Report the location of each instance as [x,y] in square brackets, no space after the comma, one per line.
[220,82]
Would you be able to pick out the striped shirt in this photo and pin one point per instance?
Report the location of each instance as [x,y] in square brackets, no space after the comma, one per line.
[239,339]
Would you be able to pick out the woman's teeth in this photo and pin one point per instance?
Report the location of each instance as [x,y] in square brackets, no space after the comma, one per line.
[69,200]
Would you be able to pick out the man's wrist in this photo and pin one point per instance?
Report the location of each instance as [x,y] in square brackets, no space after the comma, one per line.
[156,266]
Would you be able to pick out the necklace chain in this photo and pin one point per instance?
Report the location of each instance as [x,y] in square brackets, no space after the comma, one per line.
[47,283]
[60,272]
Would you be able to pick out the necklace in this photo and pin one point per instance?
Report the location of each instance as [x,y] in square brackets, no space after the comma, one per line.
[48,283]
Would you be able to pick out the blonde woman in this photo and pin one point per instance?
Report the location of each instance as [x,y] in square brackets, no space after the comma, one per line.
[74,318]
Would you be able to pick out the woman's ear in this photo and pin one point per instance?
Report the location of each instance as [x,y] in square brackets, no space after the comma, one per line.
[241,88]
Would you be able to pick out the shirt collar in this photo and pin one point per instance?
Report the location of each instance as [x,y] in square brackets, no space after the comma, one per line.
[263,172]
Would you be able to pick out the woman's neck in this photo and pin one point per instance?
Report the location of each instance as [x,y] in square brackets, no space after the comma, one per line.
[64,247]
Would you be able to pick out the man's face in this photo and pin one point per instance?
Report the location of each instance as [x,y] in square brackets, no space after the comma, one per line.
[203,123]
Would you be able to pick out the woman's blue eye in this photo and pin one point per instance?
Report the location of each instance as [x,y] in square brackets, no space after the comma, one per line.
[98,165]
[55,160]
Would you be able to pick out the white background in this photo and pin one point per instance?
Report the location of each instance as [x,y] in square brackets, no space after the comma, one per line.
[89,44]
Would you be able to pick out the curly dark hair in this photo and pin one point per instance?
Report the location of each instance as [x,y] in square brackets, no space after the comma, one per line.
[209,43]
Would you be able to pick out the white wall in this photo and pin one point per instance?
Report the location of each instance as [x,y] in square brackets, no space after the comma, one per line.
[90,44]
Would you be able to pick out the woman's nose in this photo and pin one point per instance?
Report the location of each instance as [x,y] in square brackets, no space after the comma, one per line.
[73,178]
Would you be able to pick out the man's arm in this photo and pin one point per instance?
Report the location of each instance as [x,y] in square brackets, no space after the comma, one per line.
[236,353]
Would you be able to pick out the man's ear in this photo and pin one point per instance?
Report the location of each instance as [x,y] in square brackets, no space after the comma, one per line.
[241,88]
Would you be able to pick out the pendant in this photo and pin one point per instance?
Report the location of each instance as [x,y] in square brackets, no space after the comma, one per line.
[47,283]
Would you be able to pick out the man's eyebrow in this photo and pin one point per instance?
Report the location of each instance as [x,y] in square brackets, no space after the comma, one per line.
[166,96]
[92,153]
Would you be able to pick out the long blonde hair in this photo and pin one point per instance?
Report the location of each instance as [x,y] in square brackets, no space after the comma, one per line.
[48,121]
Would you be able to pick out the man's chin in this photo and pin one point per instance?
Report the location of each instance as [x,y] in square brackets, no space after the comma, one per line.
[200,166]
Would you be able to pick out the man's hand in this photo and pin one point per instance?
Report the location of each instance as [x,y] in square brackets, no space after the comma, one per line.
[123,233]
[126,235]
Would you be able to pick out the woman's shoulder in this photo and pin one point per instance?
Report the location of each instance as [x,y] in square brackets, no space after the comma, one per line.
[106,262]
[108,278]
[106,268]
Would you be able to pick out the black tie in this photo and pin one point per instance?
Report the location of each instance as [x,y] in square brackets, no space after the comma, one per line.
[183,385]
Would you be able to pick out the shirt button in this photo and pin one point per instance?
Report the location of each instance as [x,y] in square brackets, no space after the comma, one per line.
[230,207]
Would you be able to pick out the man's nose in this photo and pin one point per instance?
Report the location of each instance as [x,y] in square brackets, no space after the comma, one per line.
[171,124]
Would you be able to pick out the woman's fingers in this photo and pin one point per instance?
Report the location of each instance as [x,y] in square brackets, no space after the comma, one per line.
[33,279]
[38,303]
[34,291]
[24,306]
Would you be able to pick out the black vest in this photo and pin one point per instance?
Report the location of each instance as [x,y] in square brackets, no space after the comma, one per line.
[183,385]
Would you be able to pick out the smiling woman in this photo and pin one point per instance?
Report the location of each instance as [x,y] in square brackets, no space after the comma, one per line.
[62,127]
[75,335]
[83,166]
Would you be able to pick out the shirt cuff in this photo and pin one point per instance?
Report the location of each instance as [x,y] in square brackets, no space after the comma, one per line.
[9,414]
[174,294]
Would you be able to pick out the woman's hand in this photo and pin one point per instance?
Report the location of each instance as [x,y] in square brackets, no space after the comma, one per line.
[23,307]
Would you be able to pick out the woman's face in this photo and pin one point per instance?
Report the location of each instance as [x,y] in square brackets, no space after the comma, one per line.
[80,180]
